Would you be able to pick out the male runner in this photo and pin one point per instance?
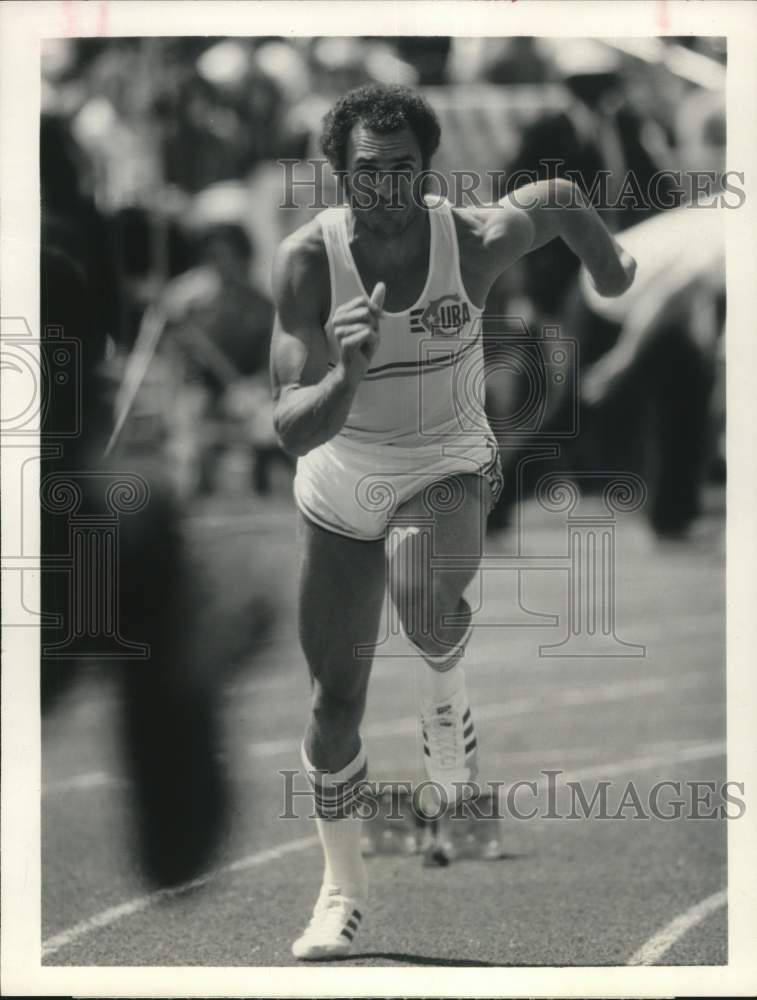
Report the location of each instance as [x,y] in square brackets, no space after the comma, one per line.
[376,345]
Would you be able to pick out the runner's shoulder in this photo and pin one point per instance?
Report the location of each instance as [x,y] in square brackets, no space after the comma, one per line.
[480,227]
[471,229]
[300,265]
[469,221]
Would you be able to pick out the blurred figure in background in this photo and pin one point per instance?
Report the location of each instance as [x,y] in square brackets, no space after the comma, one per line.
[650,395]
[652,389]
[514,61]
[72,221]
[74,260]
[599,130]
[223,324]
[428,55]
[205,139]
[605,127]
[231,111]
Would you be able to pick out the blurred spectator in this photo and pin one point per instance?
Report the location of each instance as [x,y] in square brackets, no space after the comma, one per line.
[599,130]
[652,389]
[650,394]
[72,223]
[204,137]
[232,112]
[517,60]
[428,55]
[151,247]
[114,124]
[605,127]
[224,325]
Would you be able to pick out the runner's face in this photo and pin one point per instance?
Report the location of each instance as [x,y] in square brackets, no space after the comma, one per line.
[381,170]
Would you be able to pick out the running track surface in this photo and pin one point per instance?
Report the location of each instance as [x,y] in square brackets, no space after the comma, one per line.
[585,892]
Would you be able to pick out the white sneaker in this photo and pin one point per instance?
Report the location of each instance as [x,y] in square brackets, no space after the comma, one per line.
[333,926]
[449,744]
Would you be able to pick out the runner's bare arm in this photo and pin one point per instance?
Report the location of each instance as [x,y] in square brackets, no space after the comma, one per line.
[537,213]
[311,402]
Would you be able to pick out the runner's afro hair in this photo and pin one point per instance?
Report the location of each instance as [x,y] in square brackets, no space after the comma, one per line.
[382,109]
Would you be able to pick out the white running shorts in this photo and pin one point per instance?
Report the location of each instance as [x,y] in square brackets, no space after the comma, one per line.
[354,488]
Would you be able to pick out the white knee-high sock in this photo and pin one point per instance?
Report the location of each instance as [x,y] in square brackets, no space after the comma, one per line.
[437,678]
[339,829]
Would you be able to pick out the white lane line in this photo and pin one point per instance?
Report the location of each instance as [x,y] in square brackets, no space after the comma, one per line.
[661,942]
[659,752]
[93,779]
[569,697]
[115,913]
[700,751]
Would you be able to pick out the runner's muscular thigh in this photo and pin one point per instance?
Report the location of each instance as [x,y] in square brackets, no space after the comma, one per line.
[341,594]
[452,512]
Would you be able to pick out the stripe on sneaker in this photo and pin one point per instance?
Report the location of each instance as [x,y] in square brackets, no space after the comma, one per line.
[347,934]
[357,915]
[352,924]
[469,731]
[470,746]
[466,716]
[427,751]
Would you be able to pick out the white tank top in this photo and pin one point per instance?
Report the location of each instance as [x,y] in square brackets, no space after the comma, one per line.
[426,381]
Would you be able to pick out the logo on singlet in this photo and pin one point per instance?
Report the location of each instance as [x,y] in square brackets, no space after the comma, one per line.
[443,317]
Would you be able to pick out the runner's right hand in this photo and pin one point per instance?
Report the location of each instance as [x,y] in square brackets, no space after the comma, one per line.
[356,327]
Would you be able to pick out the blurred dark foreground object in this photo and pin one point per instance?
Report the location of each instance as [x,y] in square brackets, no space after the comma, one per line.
[173,740]
[170,712]
[132,580]
[163,598]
